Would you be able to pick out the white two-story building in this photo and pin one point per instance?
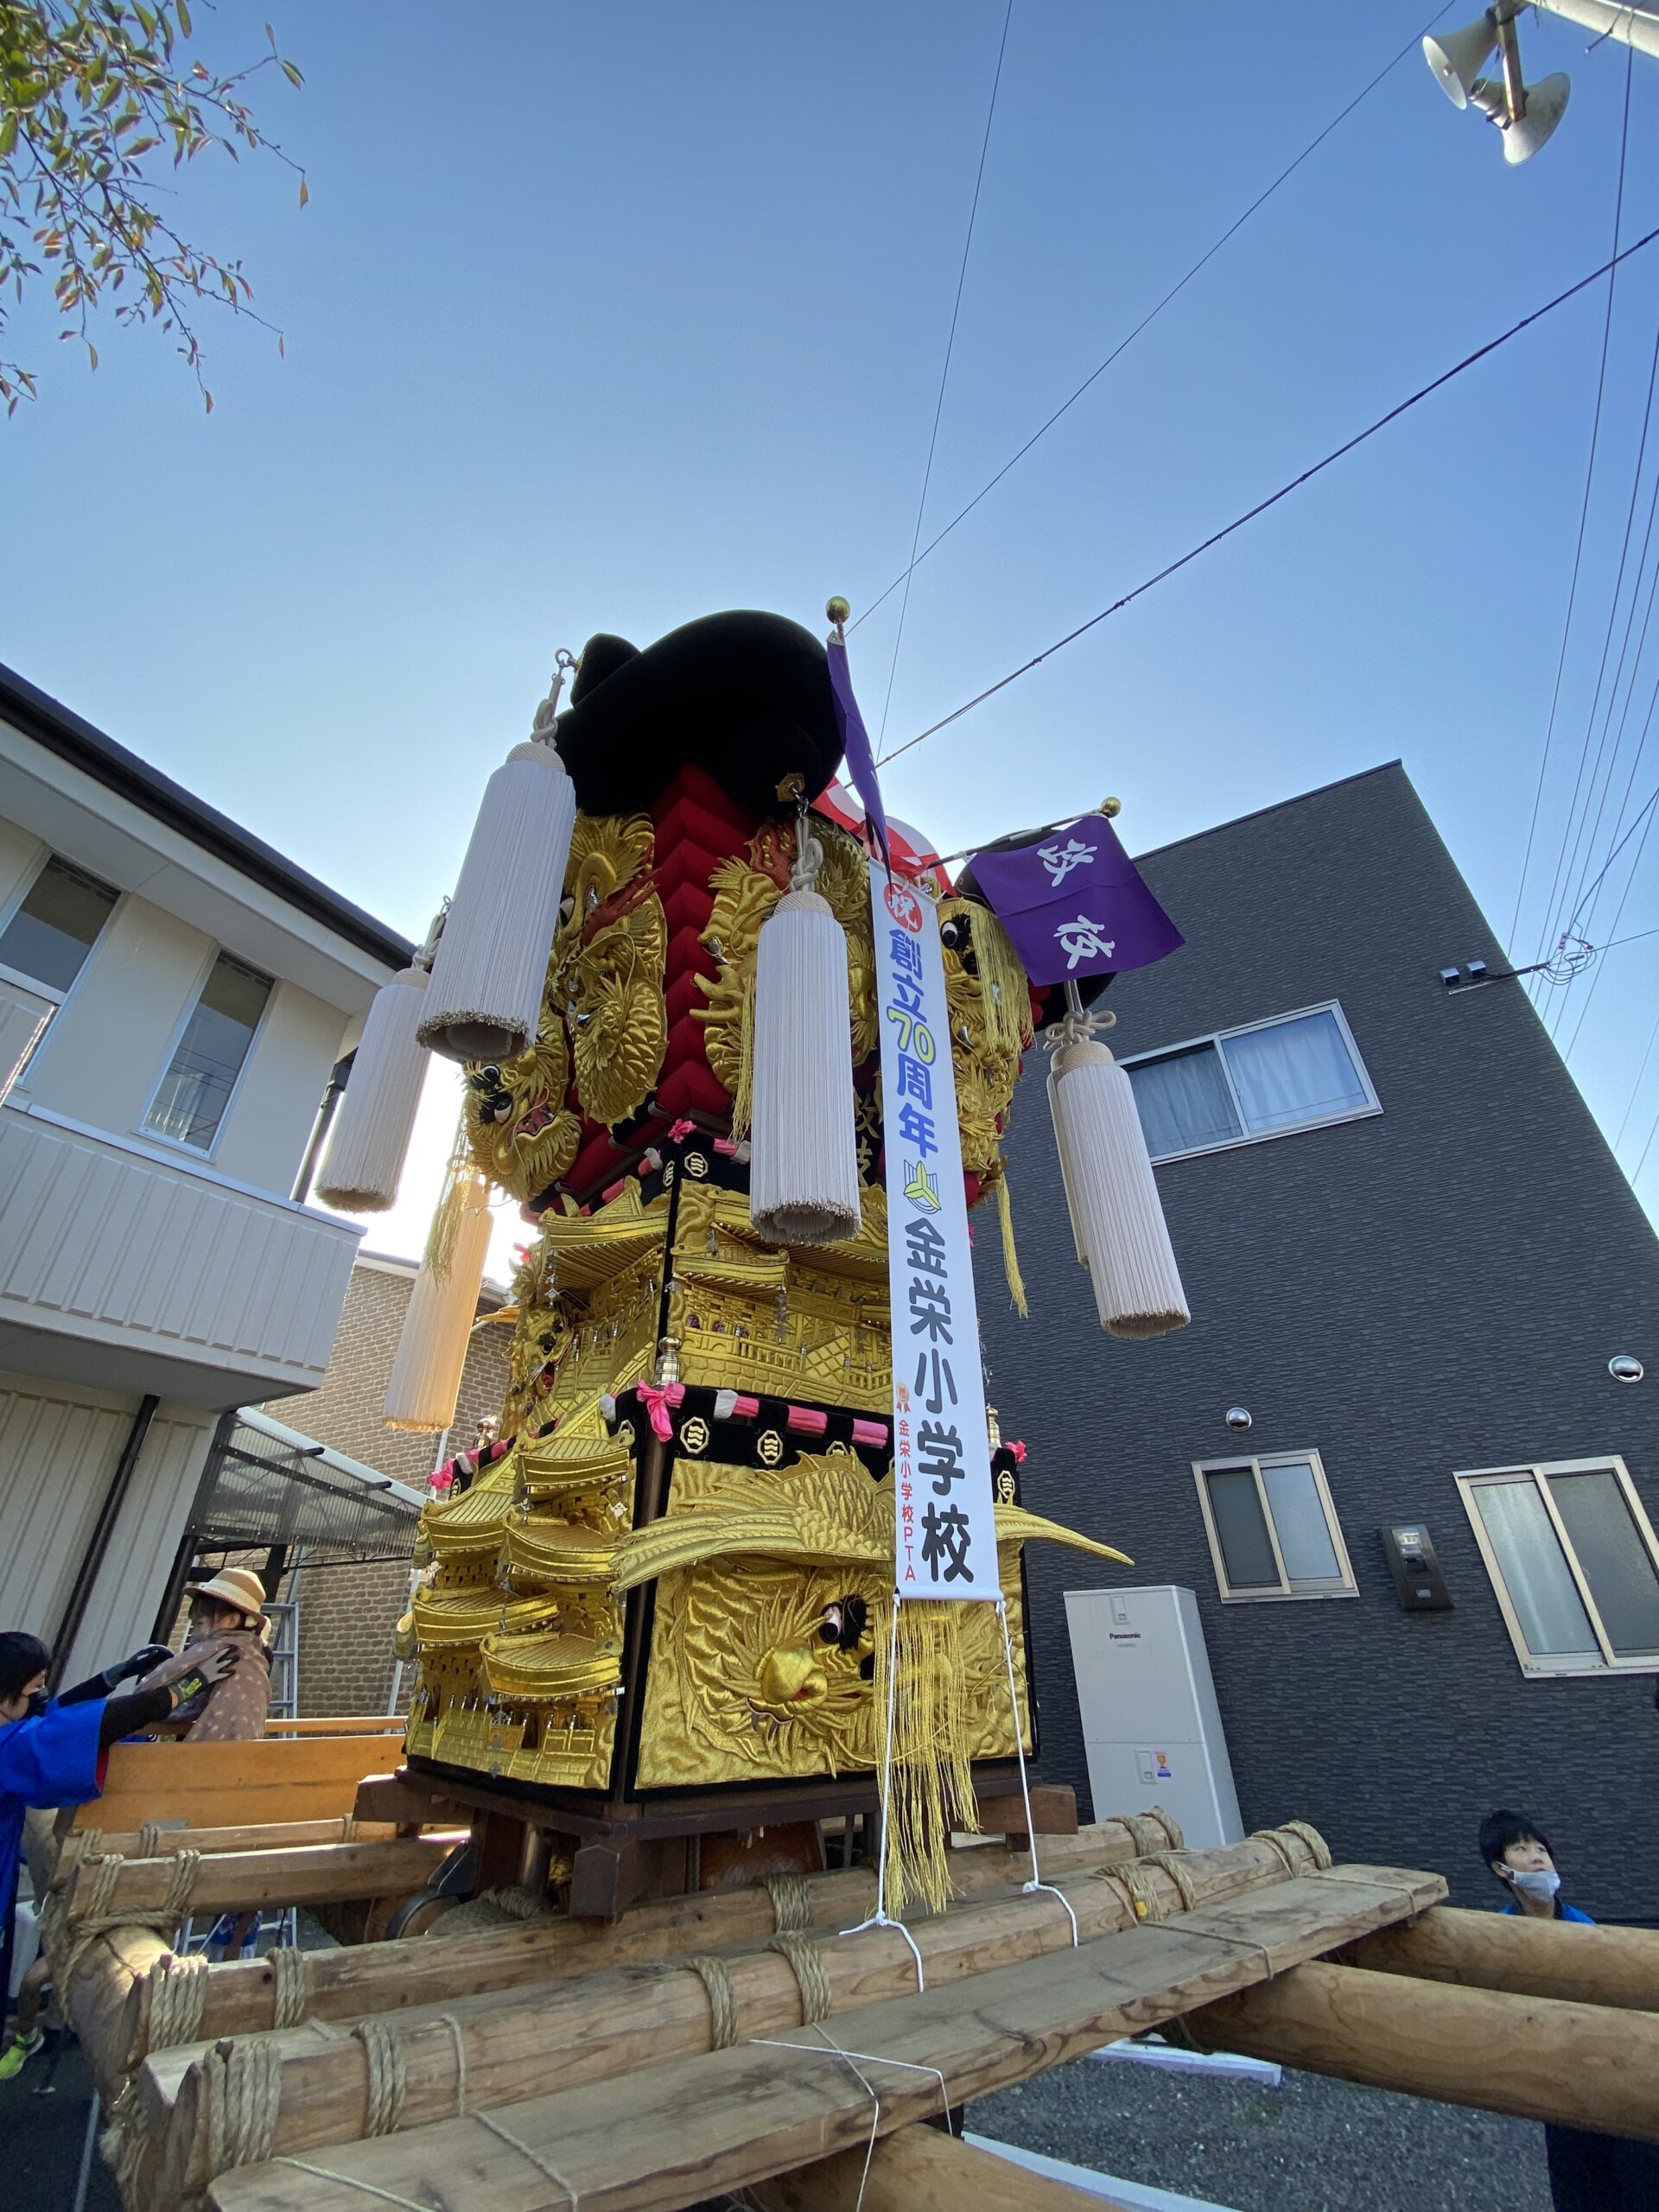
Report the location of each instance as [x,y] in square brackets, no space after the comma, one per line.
[173,997]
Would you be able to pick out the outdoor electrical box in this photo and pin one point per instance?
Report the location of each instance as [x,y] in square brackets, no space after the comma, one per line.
[1418,1582]
[1151,1725]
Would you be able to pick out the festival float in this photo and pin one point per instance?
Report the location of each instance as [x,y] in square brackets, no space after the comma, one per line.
[713,1858]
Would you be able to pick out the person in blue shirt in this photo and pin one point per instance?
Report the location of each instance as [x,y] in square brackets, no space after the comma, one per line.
[1587,2172]
[52,1749]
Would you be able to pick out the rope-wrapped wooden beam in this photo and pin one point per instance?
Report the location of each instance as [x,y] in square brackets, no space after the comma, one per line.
[490,2053]
[242,1995]
[116,1891]
[727,2119]
[1541,2058]
[158,1840]
[1527,1957]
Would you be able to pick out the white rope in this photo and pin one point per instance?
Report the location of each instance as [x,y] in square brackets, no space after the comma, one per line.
[1036,1882]
[448,2020]
[544,2166]
[880,1917]
[831,2048]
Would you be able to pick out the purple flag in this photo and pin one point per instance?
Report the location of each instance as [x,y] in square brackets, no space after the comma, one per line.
[1073,904]
[856,743]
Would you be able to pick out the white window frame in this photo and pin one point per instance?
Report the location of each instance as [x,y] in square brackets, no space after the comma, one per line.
[1553,1664]
[8,908]
[1285,1594]
[142,1129]
[1217,1038]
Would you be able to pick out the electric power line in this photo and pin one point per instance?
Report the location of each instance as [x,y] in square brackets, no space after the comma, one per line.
[1572,596]
[1123,344]
[944,373]
[1262,505]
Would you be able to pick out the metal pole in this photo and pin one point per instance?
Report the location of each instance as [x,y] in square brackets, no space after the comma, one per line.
[84,2177]
[103,1528]
[331,1098]
[1637,27]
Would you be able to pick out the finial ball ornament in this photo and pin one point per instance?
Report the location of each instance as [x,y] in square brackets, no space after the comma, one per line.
[837,610]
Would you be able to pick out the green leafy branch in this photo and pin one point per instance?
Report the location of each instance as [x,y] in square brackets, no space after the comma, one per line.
[93,93]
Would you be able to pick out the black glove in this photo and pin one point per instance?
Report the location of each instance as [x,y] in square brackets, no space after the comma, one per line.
[213,1668]
[128,1670]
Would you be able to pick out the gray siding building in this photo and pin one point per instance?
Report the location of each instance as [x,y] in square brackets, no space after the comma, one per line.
[1410,1255]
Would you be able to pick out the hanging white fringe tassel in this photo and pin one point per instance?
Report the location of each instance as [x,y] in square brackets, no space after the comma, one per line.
[442,1307]
[1067,1177]
[1116,1216]
[484,998]
[803,1170]
[364,1158]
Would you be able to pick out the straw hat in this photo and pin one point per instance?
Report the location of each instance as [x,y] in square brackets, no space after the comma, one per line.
[236,1587]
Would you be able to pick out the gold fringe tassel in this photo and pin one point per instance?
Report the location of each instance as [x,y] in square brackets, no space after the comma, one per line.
[1010,1256]
[461,1177]
[1003,987]
[929,1788]
[743,1099]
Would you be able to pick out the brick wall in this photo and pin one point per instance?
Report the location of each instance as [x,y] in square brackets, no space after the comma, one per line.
[348,1612]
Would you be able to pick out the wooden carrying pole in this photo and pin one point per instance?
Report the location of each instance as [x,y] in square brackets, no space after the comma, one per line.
[83,1844]
[492,2053]
[696,2127]
[242,1995]
[238,1881]
[1529,1958]
[922,2170]
[1539,2057]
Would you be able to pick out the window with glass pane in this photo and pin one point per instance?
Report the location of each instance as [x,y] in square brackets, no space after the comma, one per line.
[48,938]
[1272,1528]
[1290,1071]
[1573,1559]
[196,1089]
[1251,1082]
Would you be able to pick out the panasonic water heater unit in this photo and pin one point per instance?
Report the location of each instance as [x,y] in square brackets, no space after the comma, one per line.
[1151,1725]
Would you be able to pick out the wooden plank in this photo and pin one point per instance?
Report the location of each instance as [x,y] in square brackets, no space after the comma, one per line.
[343,1984]
[923,2170]
[313,1873]
[223,1785]
[1577,2065]
[678,2132]
[1053,1809]
[491,2051]
[102,1843]
[390,1798]
[373,1724]
[1527,1957]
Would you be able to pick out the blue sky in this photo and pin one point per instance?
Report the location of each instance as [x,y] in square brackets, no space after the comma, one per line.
[608,318]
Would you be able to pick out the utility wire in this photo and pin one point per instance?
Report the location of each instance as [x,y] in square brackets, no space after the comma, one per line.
[1123,344]
[944,373]
[1653,1039]
[1572,589]
[1272,500]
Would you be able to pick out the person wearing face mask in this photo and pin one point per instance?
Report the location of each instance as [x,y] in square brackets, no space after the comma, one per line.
[52,1749]
[1587,2172]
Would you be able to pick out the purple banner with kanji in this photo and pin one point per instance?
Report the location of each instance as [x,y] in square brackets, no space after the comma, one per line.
[1073,904]
[944,1520]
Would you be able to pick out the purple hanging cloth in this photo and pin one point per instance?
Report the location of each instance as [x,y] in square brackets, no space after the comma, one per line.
[856,743]
[1073,903]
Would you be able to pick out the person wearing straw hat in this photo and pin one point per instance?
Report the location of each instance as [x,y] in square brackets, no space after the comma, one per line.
[227,1614]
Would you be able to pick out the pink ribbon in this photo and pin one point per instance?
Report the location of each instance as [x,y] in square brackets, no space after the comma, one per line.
[657,1402]
[1019,1451]
[678,1131]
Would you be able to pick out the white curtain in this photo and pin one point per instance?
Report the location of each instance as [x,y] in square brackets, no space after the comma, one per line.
[1293,1072]
[1534,1569]
[1184,1103]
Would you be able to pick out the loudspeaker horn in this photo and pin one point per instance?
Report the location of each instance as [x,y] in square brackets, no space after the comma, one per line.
[1456,57]
[1546,105]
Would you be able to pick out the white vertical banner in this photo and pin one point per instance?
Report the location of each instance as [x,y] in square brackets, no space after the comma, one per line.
[944,1509]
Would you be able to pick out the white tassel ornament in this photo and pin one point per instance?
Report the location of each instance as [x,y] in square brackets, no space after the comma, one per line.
[803,1167]
[364,1162]
[425,1380]
[1116,1216]
[485,999]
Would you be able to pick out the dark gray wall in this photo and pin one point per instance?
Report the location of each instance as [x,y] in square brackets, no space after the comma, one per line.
[1435,1289]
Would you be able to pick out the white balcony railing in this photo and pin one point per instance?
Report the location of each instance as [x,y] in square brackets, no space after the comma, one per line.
[114,1248]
